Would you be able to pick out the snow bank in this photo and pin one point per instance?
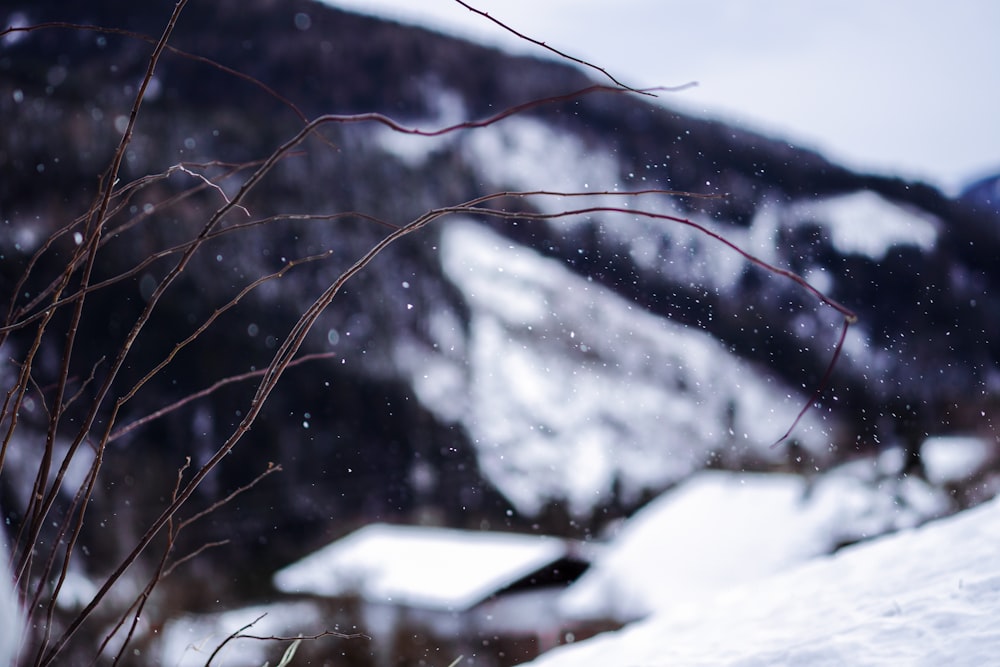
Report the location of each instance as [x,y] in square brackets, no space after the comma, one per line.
[715,530]
[721,529]
[10,612]
[949,459]
[188,641]
[928,596]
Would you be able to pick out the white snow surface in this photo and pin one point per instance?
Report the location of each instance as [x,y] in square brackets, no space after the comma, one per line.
[729,567]
[570,392]
[431,568]
[188,641]
[528,154]
[920,597]
[719,529]
[10,611]
[865,223]
[949,459]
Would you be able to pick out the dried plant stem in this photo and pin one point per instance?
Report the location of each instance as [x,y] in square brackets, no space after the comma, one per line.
[43,570]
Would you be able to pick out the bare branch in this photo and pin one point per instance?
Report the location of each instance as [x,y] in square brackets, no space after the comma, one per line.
[194,554]
[108,216]
[201,177]
[271,469]
[160,46]
[242,377]
[231,637]
[563,55]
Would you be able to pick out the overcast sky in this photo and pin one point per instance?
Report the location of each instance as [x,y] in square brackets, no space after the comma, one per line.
[910,87]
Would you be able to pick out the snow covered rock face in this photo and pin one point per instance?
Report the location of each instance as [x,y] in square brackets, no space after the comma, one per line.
[571,394]
[929,596]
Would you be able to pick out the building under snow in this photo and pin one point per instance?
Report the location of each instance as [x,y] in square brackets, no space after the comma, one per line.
[493,595]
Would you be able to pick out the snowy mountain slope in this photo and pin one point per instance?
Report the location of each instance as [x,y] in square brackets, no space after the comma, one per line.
[867,224]
[929,596]
[905,263]
[609,358]
[572,394]
[905,257]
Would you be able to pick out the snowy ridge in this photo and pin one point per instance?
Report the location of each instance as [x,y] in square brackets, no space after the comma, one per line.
[573,394]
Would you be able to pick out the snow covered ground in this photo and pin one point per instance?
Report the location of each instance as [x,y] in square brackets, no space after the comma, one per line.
[733,569]
[923,596]
[189,641]
[721,529]
[10,625]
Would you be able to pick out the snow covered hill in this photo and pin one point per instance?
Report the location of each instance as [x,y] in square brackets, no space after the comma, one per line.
[540,375]
[718,530]
[574,395]
[614,355]
[922,597]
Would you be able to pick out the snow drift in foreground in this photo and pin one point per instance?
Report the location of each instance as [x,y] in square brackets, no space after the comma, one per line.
[926,596]
[723,529]
[10,613]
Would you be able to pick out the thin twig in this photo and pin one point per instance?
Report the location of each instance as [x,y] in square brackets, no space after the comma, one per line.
[557,52]
[325,633]
[273,638]
[94,235]
[180,167]
[123,195]
[194,554]
[271,469]
[231,637]
[172,49]
[821,385]
[242,377]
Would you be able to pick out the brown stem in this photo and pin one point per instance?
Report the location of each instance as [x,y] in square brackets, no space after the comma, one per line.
[557,52]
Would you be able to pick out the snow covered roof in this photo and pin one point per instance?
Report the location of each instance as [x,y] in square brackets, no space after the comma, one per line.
[433,568]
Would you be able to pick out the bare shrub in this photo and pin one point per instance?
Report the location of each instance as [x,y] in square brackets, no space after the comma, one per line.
[70,398]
